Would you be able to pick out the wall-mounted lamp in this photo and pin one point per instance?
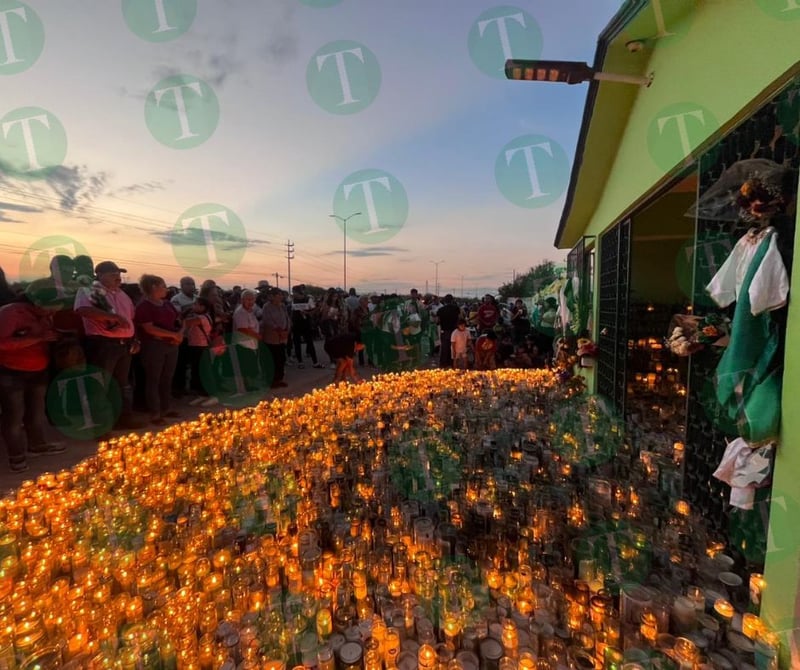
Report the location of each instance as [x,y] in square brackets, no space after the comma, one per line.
[566,72]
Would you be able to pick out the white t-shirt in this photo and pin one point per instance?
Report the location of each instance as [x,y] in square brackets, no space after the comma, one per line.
[181,300]
[244,319]
[459,339]
[770,285]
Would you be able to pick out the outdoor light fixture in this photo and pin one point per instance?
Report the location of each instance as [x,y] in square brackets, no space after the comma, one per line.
[566,72]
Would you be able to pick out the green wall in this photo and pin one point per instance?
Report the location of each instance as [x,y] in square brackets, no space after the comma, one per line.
[722,58]
[727,57]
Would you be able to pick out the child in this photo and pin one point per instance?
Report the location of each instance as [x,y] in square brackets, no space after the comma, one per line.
[459,345]
[342,349]
[486,351]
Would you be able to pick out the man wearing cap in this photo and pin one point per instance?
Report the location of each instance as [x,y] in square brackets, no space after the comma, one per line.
[107,314]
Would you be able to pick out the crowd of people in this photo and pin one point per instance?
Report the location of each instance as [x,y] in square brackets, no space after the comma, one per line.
[90,354]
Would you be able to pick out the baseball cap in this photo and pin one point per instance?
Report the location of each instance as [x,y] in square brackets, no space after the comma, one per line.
[107,266]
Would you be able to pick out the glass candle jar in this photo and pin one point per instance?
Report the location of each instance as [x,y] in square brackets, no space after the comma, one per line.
[350,655]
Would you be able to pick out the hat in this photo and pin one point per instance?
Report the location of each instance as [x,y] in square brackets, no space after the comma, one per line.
[106,267]
[263,284]
[274,290]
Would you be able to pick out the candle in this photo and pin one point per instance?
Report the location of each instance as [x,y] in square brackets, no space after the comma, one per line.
[426,657]
[723,610]
[751,625]
[757,586]
[698,597]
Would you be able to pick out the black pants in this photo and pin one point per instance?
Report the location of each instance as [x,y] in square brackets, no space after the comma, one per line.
[184,363]
[159,360]
[278,353]
[195,356]
[300,336]
[22,399]
[114,358]
[445,355]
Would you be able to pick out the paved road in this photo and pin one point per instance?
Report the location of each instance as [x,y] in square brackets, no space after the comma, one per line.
[300,382]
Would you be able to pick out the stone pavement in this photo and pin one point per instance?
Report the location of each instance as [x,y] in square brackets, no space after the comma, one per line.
[300,382]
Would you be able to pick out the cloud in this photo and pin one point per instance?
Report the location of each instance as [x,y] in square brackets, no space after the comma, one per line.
[371,251]
[18,208]
[143,187]
[195,237]
[75,186]
[6,219]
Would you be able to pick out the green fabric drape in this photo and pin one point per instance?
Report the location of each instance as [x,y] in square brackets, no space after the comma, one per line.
[748,377]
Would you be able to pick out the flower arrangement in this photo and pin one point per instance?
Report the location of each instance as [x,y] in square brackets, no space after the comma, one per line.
[689,334]
[759,199]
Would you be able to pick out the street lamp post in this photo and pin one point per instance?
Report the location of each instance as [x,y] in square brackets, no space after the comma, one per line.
[436,279]
[344,221]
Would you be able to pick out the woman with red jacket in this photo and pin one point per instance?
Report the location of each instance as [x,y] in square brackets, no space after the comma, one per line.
[26,332]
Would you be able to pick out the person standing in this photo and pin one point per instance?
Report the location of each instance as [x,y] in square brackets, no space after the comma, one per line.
[448,315]
[302,332]
[275,334]
[107,314]
[161,332]
[184,302]
[520,322]
[488,314]
[246,338]
[26,331]
[459,345]
[351,302]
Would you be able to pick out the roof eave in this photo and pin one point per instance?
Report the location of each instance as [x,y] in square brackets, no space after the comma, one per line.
[621,19]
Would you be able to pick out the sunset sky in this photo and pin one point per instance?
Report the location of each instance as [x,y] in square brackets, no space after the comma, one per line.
[199,136]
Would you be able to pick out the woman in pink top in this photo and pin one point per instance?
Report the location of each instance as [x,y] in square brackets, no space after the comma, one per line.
[198,327]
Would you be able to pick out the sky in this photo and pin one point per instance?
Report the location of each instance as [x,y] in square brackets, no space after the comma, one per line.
[202,137]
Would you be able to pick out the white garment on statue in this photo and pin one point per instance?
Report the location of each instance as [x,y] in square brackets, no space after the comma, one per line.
[744,469]
[770,285]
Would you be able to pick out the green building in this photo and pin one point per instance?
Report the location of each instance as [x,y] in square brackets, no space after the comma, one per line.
[725,89]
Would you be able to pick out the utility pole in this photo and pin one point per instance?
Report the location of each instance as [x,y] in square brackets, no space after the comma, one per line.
[344,220]
[289,259]
[462,287]
[436,279]
[277,277]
